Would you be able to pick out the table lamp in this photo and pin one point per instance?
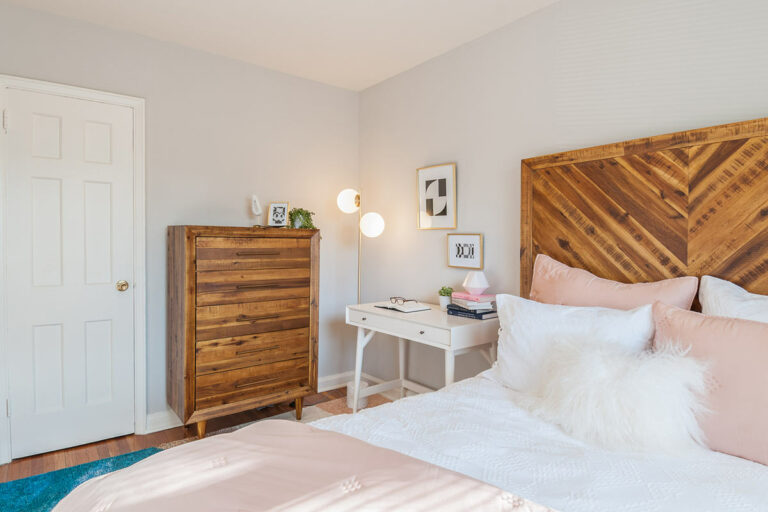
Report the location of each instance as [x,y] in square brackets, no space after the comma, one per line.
[475,282]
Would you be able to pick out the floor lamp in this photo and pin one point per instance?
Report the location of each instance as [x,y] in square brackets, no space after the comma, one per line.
[371,224]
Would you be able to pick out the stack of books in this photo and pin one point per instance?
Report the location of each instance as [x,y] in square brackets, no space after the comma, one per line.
[480,307]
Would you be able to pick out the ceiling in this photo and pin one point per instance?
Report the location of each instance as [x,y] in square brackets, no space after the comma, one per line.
[347,43]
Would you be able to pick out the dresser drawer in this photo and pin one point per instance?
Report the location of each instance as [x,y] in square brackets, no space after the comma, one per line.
[234,286]
[230,253]
[235,385]
[243,351]
[401,328]
[214,322]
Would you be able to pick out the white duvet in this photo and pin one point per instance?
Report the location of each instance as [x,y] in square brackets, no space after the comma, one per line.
[474,427]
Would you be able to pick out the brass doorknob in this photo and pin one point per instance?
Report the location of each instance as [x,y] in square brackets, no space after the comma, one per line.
[121,285]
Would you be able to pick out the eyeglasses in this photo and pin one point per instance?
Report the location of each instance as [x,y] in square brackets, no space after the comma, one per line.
[400,300]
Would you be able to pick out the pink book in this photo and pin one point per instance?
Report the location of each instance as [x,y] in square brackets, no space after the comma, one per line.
[473,298]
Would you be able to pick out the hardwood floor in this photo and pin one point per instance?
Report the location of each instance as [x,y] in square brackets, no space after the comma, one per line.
[36,464]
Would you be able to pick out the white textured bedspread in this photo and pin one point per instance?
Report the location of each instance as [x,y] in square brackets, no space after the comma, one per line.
[474,427]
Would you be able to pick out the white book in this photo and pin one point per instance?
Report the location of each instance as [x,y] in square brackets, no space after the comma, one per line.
[468,304]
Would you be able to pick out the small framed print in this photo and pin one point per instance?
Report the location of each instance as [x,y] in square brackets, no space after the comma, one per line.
[465,250]
[278,214]
[437,196]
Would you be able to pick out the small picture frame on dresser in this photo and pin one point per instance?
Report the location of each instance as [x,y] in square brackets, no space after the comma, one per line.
[277,214]
[465,250]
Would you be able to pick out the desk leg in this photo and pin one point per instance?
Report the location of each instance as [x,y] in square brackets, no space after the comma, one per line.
[449,364]
[362,341]
[401,350]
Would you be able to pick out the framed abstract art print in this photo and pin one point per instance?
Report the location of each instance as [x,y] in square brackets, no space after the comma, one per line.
[465,250]
[437,196]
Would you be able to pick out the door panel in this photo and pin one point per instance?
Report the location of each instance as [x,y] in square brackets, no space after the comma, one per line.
[69,239]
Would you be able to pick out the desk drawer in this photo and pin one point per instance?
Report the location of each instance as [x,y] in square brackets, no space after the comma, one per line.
[401,328]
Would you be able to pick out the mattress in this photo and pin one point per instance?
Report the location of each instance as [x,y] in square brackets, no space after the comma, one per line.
[474,427]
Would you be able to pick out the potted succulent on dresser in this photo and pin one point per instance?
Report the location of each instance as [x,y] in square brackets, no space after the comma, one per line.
[445,297]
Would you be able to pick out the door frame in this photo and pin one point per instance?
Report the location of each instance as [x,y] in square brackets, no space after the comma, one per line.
[139,244]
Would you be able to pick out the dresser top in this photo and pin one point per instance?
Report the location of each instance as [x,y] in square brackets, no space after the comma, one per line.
[434,317]
[245,231]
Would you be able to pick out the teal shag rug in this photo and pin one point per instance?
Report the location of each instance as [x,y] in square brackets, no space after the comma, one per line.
[40,493]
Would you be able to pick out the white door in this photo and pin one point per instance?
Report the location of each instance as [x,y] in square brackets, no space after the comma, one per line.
[69,240]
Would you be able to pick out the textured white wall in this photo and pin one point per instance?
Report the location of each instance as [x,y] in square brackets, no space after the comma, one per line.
[581,72]
[217,131]
[576,74]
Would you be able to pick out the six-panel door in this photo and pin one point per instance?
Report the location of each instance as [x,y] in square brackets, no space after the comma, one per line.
[69,241]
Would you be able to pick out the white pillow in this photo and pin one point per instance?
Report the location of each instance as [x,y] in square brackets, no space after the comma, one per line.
[606,395]
[724,298]
[529,329]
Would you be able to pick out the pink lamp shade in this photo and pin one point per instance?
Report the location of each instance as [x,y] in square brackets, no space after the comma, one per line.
[475,282]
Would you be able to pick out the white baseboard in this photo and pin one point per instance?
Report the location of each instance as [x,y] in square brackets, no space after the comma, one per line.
[392,394]
[162,420]
[339,380]
[335,381]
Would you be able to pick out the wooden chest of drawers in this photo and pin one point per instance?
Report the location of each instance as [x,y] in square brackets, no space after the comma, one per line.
[242,319]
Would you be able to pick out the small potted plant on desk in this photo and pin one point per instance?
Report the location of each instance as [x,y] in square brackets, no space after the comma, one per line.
[445,297]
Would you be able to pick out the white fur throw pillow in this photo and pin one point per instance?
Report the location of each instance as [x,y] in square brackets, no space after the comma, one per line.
[607,395]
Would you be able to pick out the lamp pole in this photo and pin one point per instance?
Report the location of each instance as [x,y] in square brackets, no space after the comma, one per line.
[359,202]
[348,201]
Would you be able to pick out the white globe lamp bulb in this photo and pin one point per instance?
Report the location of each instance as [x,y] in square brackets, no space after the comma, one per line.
[348,200]
[372,224]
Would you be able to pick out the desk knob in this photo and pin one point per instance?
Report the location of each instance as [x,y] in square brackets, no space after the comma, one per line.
[421,332]
[365,318]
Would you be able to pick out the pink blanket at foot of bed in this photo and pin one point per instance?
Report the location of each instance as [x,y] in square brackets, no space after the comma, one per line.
[283,465]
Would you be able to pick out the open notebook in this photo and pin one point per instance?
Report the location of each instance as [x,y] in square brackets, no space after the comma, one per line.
[408,307]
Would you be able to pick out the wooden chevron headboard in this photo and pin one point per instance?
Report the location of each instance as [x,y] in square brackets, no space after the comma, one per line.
[686,203]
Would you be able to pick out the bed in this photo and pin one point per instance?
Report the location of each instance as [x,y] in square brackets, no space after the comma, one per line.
[688,203]
[475,427]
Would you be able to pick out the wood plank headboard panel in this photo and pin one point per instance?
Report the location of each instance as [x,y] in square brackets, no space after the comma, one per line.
[686,203]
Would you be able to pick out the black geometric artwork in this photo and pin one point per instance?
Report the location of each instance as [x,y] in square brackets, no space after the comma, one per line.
[465,251]
[436,194]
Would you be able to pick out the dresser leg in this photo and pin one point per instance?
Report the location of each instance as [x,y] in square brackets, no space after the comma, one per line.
[299,403]
[201,429]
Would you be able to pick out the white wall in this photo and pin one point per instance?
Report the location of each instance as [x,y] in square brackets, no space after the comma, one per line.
[217,131]
[578,73]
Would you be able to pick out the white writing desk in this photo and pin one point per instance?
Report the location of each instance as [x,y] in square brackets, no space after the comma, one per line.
[455,335]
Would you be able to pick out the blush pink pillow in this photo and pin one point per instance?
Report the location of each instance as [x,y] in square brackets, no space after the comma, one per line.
[737,354]
[557,283]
